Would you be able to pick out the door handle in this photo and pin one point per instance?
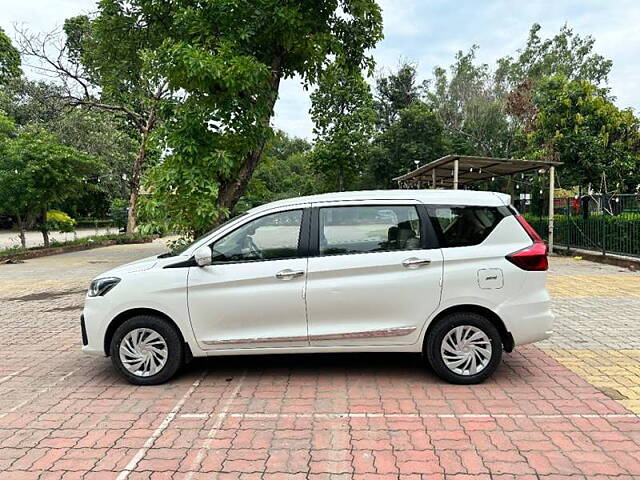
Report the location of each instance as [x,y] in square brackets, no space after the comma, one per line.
[415,262]
[288,274]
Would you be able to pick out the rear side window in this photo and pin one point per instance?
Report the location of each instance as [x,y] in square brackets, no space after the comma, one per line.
[363,229]
[463,226]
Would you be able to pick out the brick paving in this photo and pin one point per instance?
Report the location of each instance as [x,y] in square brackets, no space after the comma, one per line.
[562,409]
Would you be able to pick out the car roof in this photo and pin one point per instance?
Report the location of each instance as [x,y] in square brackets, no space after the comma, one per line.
[443,197]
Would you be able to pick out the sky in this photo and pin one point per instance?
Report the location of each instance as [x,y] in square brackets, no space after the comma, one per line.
[429,33]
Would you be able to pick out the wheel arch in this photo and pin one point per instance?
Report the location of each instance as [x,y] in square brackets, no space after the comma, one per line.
[505,335]
[134,312]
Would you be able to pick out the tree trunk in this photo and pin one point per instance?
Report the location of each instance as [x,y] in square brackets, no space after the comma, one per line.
[45,228]
[23,236]
[340,180]
[134,183]
[230,192]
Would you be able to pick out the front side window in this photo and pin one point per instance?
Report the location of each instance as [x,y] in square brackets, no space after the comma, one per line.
[271,237]
[363,229]
[464,226]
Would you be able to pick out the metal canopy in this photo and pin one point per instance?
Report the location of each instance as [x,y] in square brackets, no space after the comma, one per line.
[453,171]
[441,173]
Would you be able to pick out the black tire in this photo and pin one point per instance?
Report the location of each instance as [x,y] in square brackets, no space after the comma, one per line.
[175,357]
[437,334]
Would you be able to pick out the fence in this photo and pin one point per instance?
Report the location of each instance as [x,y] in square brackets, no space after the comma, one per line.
[607,224]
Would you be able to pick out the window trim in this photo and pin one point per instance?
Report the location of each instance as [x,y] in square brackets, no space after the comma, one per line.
[437,228]
[303,236]
[428,238]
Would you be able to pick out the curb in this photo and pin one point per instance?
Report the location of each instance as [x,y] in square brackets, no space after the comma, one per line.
[44,252]
[623,261]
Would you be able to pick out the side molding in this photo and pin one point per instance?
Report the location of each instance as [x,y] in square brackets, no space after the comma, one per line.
[386,332]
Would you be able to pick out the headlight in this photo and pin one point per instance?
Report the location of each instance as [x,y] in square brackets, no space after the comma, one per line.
[101,286]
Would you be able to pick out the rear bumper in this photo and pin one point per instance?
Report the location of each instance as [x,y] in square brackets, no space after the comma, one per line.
[530,321]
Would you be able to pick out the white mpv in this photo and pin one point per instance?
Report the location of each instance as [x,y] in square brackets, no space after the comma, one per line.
[456,275]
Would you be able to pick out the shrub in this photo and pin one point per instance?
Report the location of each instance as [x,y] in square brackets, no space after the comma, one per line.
[58,221]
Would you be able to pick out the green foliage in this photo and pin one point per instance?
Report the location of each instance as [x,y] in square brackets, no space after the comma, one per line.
[344,118]
[285,171]
[58,221]
[470,108]
[118,212]
[227,58]
[111,48]
[567,54]
[395,92]
[621,232]
[37,172]
[416,136]
[93,132]
[33,102]
[9,60]
[577,124]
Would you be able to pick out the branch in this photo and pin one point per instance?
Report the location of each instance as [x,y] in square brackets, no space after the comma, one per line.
[79,89]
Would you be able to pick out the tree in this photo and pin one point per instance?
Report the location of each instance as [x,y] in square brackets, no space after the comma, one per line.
[470,108]
[416,136]
[94,132]
[227,58]
[566,54]
[344,118]
[285,171]
[102,63]
[9,60]
[37,173]
[395,92]
[577,124]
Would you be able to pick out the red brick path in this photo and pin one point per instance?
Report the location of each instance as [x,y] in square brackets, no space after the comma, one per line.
[67,416]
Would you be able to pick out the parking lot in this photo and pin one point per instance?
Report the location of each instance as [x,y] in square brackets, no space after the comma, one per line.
[565,408]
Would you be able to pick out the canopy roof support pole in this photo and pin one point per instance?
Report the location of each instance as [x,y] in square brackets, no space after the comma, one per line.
[433,178]
[552,182]
[455,173]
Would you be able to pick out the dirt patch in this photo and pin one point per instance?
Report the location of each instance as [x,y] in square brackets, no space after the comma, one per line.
[65,309]
[43,296]
[612,393]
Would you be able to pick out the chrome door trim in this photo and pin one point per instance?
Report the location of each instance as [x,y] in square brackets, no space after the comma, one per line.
[380,333]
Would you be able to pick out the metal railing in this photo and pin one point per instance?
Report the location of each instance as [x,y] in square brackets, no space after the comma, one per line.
[602,223]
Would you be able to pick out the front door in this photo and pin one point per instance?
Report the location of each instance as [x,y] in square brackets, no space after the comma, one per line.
[252,295]
[374,279]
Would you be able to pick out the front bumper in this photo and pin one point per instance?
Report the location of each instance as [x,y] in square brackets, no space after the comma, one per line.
[93,326]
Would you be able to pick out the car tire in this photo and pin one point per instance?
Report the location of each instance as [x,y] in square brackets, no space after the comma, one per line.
[151,340]
[457,341]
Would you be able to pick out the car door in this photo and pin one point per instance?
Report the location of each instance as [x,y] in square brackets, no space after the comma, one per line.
[252,295]
[374,274]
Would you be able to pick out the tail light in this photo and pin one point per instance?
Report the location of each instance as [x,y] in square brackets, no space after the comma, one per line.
[533,258]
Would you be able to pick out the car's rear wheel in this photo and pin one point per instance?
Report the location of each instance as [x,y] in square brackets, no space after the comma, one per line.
[146,350]
[464,348]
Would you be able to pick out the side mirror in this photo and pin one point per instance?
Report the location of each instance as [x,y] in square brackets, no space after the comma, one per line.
[202,256]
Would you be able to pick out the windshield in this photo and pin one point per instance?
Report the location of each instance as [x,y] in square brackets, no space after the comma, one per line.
[177,247]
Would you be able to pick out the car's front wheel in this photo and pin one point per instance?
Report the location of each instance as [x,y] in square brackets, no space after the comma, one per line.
[464,348]
[146,350]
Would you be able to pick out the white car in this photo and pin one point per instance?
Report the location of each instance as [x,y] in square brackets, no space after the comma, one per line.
[456,275]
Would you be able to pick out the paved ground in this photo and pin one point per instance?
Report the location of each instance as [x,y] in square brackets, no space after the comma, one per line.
[10,238]
[564,409]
